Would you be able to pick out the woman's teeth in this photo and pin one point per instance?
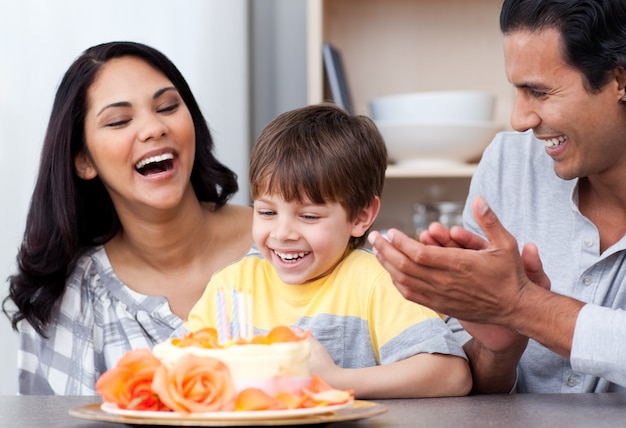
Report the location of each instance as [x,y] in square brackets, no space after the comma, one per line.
[154,159]
[554,142]
[290,257]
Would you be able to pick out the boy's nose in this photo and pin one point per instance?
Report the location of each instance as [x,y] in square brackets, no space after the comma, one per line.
[283,230]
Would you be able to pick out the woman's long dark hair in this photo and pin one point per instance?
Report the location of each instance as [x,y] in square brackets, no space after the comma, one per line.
[68,214]
[593,32]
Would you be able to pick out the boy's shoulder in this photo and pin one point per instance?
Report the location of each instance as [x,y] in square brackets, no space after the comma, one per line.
[362,260]
[248,261]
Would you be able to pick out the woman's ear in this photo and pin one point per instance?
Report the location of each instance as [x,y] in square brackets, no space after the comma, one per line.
[365,218]
[621,83]
[84,166]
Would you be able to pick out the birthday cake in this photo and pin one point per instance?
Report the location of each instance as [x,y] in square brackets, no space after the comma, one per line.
[197,373]
[277,362]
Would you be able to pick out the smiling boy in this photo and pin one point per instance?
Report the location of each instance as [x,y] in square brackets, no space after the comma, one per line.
[316,178]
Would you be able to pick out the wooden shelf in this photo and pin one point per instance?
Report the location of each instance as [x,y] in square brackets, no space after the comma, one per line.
[430,171]
[400,46]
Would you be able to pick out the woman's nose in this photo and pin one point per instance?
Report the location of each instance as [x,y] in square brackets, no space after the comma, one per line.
[524,116]
[152,127]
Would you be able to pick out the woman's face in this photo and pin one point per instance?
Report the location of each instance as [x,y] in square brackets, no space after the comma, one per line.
[139,135]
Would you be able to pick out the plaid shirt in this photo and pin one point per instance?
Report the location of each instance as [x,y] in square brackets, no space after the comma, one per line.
[97,320]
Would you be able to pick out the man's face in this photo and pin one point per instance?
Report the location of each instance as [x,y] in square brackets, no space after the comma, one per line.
[583,132]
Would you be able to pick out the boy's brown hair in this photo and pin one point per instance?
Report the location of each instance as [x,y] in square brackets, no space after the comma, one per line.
[322,154]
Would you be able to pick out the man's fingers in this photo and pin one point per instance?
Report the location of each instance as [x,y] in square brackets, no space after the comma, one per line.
[496,234]
[533,266]
[419,259]
[467,239]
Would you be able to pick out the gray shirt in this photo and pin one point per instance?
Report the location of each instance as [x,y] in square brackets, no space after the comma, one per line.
[97,320]
[517,179]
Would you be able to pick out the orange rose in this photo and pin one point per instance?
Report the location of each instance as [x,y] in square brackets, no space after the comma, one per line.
[257,399]
[195,384]
[283,334]
[203,338]
[323,394]
[317,394]
[129,383]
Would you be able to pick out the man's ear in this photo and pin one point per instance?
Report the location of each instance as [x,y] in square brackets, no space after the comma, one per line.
[366,218]
[84,166]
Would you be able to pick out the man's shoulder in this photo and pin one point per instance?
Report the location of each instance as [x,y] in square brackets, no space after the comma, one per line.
[516,156]
[509,144]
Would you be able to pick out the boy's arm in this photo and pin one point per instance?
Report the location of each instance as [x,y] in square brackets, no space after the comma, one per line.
[422,375]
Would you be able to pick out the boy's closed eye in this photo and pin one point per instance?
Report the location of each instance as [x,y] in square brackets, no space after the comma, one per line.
[310,217]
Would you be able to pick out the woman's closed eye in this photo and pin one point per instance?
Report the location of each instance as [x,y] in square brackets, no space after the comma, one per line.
[117,122]
[168,108]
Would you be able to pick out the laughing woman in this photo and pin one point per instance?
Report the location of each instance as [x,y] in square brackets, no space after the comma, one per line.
[128,220]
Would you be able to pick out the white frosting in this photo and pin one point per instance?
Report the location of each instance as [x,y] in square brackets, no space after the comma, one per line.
[274,368]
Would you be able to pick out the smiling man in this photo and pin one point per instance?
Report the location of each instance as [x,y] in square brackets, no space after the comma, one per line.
[539,286]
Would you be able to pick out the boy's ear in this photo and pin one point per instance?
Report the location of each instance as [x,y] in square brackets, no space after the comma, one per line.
[366,218]
[84,166]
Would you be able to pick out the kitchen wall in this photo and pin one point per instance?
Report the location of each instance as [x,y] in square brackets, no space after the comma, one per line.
[217,44]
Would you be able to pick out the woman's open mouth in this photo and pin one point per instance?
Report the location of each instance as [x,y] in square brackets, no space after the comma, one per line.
[155,164]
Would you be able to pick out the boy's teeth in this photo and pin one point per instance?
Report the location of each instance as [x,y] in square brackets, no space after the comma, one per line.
[154,159]
[290,256]
[554,142]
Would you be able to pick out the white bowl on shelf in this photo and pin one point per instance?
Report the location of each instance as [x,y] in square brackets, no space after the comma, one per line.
[436,143]
[436,127]
[434,106]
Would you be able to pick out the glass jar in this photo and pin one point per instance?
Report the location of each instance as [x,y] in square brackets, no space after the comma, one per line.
[448,213]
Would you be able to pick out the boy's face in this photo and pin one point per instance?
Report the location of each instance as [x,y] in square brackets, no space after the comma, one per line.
[302,241]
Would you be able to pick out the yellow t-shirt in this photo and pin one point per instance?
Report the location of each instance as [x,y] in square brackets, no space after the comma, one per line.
[355,312]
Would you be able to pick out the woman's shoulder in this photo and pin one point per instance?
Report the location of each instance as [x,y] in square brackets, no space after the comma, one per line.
[93,275]
[232,224]
[85,264]
[241,212]
[231,215]
[94,286]
[91,271]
